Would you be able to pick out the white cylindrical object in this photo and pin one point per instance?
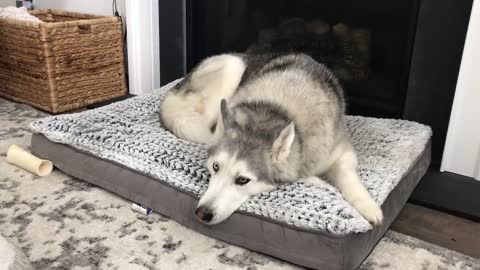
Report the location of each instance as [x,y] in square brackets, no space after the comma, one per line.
[25,160]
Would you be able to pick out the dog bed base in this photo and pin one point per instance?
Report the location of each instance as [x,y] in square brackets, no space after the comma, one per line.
[310,248]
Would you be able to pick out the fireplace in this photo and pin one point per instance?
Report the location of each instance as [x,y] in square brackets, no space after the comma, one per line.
[395,59]
[368,46]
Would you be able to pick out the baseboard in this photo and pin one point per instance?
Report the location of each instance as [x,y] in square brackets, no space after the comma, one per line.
[448,192]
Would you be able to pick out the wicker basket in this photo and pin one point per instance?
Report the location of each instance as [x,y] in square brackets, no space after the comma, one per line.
[67,62]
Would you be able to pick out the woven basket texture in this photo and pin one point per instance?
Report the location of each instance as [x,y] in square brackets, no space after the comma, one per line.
[68,61]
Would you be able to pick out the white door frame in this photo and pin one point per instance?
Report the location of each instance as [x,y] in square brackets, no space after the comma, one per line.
[462,146]
[143,46]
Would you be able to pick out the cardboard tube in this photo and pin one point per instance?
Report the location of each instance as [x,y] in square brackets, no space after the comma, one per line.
[23,159]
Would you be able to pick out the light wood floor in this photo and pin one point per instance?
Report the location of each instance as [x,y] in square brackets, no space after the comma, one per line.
[439,228]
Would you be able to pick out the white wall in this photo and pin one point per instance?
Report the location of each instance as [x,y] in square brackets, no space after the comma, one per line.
[6,3]
[462,149]
[99,7]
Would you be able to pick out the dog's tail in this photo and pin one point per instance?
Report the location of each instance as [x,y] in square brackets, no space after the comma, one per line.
[192,128]
[186,123]
[194,107]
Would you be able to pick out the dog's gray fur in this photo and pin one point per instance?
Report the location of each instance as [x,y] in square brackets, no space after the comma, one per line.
[281,119]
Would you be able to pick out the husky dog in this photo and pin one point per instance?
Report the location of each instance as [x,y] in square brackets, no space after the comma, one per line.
[268,120]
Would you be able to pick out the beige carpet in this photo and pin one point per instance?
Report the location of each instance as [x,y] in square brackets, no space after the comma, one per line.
[64,223]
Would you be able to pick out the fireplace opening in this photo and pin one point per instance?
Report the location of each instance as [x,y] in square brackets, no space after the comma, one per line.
[367,44]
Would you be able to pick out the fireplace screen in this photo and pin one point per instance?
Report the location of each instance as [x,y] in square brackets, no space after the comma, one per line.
[367,44]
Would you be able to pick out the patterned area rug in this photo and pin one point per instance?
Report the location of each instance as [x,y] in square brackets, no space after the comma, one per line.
[63,223]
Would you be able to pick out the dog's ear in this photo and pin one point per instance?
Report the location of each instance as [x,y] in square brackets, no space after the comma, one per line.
[283,144]
[225,114]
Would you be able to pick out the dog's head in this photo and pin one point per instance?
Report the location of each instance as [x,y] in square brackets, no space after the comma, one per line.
[247,159]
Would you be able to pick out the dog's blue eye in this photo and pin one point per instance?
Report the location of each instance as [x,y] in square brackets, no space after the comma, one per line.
[241,180]
[216,167]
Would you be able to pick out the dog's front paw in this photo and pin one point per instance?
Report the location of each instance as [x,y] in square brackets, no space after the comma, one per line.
[370,210]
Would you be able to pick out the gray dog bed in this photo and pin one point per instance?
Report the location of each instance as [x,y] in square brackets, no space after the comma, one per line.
[123,148]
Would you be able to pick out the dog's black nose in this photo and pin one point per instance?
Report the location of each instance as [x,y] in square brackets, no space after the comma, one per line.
[204,214]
